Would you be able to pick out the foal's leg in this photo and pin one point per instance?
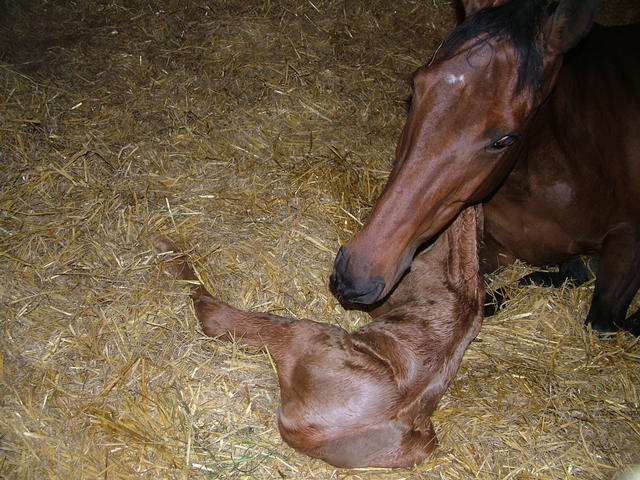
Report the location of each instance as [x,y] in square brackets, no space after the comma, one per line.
[616,284]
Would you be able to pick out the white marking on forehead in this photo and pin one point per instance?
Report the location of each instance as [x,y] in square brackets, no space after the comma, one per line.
[450,78]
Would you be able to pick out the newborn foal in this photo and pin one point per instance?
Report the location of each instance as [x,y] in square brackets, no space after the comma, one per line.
[365,398]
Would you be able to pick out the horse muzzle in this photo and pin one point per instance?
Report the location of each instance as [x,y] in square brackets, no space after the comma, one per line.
[349,288]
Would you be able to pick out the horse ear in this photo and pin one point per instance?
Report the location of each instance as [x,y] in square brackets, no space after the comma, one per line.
[569,23]
[472,6]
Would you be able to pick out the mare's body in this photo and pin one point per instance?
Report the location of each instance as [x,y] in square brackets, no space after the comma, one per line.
[515,112]
[365,398]
[577,174]
[575,185]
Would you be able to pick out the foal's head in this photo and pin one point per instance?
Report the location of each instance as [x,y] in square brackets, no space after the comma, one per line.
[470,106]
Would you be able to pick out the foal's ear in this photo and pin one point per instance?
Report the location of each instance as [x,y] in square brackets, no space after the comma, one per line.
[464,236]
[569,23]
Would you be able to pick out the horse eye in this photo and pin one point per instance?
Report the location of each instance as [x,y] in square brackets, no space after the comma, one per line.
[504,142]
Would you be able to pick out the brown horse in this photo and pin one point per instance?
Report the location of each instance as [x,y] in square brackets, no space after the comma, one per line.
[523,109]
[365,398]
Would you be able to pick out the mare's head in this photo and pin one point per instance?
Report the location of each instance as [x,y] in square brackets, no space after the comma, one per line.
[470,106]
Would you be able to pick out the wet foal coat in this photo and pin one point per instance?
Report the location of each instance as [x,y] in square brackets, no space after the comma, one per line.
[365,398]
[511,113]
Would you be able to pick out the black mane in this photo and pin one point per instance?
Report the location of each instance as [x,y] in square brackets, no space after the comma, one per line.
[518,21]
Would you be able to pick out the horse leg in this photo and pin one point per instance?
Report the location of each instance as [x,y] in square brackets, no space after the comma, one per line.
[574,269]
[616,284]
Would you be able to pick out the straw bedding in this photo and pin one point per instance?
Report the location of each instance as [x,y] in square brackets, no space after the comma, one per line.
[257,135]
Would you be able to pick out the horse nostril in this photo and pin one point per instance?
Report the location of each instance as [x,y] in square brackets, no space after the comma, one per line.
[339,267]
[348,287]
[341,258]
[369,291]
